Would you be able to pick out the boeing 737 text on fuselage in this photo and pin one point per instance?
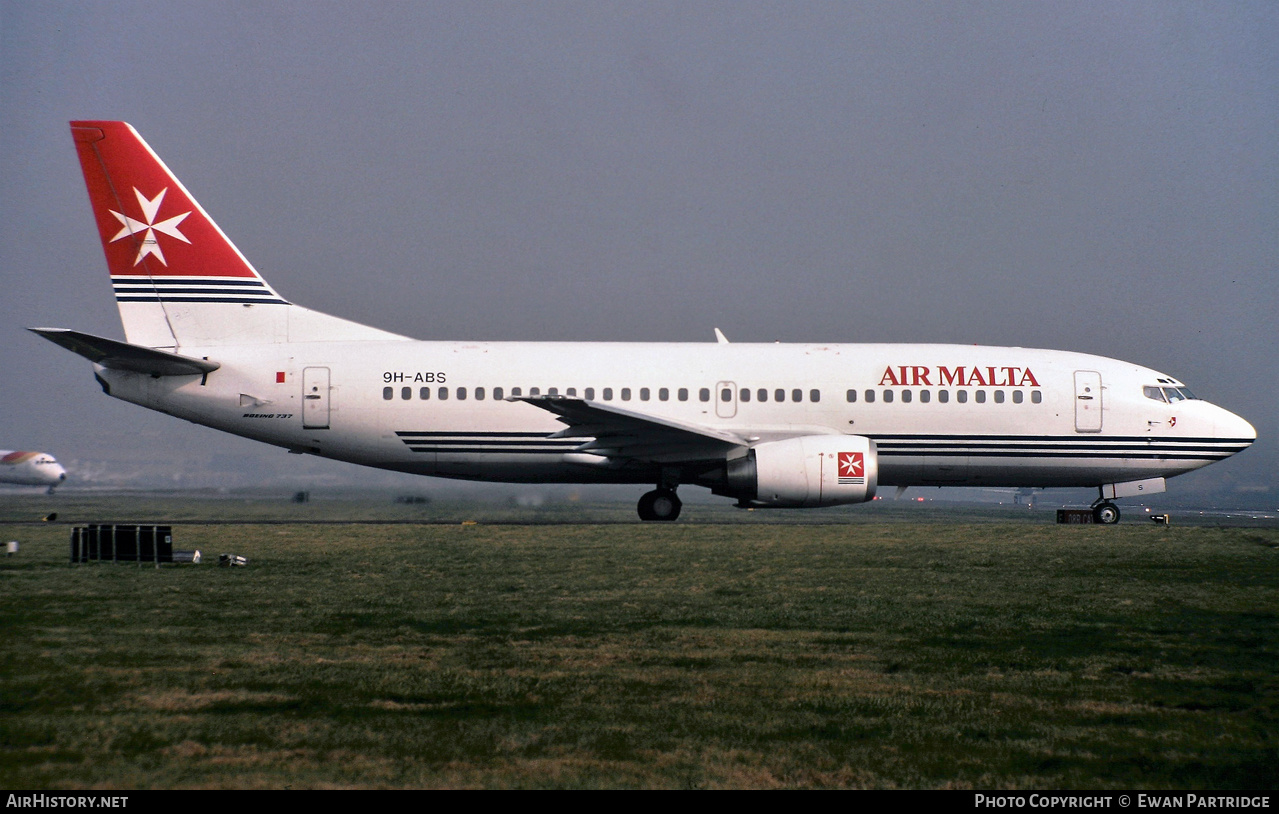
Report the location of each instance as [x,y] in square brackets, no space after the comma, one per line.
[769,425]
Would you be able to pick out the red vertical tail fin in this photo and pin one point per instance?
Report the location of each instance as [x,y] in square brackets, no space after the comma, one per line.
[178,280]
[169,261]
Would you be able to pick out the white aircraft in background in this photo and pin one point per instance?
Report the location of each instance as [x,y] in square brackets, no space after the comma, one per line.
[30,469]
[770,425]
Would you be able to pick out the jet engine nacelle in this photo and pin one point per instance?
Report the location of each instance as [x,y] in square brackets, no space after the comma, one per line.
[813,470]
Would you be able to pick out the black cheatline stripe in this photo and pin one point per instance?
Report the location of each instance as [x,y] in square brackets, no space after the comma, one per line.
[1057,450]
[1048,439]
[1013,448]
[253,300]
[413,434]
[488,451]
[1024,442]
[1161,456]
[493,443]
[145,281]
[207,290]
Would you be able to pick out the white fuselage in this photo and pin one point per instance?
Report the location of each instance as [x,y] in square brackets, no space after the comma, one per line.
[30,468]
[938,414]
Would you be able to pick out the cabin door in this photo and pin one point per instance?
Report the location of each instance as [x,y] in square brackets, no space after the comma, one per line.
[315,398]
[1087,401]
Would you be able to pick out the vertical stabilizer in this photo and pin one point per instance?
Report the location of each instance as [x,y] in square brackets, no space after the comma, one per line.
[178,280]
[168,260]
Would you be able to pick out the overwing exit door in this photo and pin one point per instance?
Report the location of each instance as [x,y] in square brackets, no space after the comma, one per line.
[725,399]
[315,398]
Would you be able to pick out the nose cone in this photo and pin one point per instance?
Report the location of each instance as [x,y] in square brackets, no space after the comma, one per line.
[1230,427]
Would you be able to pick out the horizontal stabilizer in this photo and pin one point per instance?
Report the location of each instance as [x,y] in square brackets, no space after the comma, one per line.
[117,355]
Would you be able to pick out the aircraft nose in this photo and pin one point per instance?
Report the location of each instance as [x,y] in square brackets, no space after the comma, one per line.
[1235,428]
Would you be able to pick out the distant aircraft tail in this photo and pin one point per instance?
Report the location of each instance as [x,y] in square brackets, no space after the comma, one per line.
[178,279]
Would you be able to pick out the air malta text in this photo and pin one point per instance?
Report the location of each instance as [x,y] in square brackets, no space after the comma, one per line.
[961,376]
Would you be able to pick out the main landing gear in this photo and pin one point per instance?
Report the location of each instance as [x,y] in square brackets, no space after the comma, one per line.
[659,504]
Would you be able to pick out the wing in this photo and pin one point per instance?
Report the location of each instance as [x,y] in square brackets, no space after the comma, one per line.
[618,433]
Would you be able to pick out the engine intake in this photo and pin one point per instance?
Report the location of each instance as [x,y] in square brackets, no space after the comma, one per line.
[804,472]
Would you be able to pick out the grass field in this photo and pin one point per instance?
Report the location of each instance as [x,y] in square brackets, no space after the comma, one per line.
[999,654]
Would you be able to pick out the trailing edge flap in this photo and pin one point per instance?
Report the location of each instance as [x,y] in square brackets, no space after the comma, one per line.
[619,433]
[116,355]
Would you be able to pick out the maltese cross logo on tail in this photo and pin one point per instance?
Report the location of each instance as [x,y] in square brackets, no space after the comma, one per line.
[851,468]
[147,228]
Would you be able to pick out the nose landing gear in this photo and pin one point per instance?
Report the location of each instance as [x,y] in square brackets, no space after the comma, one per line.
[1105,513]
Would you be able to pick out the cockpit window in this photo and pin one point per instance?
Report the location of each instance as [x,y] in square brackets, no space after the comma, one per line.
[1168,394]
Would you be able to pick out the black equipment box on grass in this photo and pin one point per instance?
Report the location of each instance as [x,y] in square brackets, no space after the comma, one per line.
[118,543]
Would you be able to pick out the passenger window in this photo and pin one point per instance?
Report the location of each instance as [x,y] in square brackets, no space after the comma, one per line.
[683,394]
[888,396]
[726,395]
[906,395]
[626,394]
[999,396]
[704,394]
[814,396]
[663,394]
[515,392]
[552,391]
[535,391]
[571,392]
[461,394]
[424,394]
[590,394]
[608,394]
[643,394]
[1018,397]
[943,396]
[497,393]
[851,396]
[870,396]
[443,393]
[406,393]
[779,394]
[924,396]
[797,395]
[961,396]
[1036,397]
[388,393]
[981,396]
[745,394]
[761,395]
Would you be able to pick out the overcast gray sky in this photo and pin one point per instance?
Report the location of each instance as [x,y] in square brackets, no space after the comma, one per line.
[1091,176]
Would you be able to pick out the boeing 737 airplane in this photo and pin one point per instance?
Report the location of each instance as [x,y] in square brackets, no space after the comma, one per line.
[30,469]
[769,425]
